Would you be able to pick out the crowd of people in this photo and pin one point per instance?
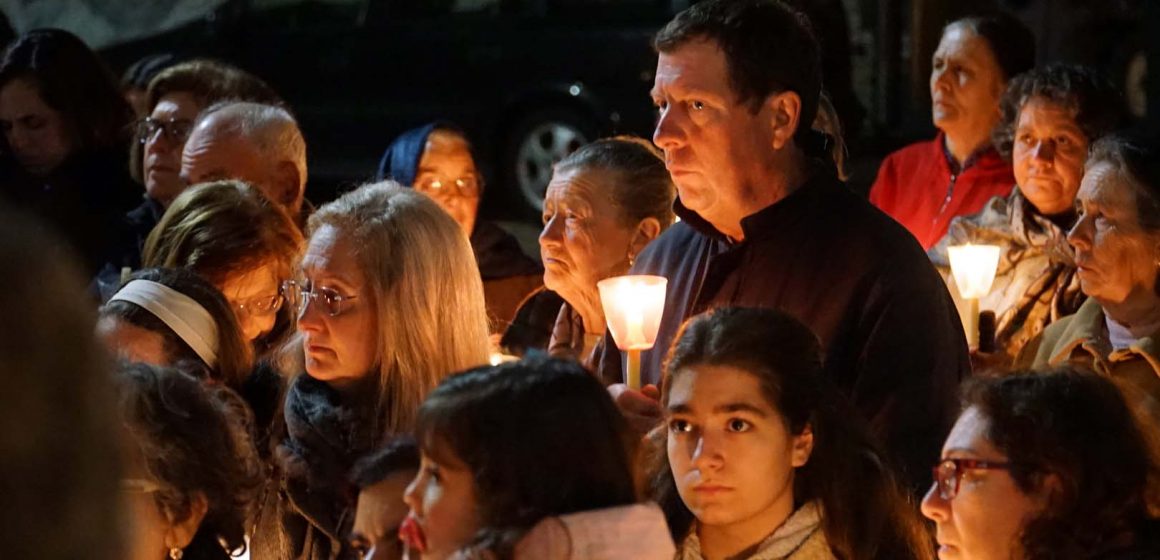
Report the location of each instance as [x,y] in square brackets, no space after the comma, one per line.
[203,364]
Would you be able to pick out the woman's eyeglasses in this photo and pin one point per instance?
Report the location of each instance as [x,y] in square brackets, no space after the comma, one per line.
[300,296]
[436,186]
[260,306]
[177,130]
[949,473]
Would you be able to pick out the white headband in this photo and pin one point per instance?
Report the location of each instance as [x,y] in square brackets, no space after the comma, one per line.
[192,323]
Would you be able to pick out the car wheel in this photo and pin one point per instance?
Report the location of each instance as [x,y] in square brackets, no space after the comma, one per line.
[543,139]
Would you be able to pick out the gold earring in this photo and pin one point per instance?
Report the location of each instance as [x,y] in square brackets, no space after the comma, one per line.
[176,553]
[631,260]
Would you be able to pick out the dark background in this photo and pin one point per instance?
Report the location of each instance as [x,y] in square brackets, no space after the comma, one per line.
[532,79]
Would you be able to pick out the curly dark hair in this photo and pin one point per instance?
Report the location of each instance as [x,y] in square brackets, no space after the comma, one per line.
[1097,104]
[72,79]
[235,358]
[194,438]
[1077,427]
[542,437]
[867,513]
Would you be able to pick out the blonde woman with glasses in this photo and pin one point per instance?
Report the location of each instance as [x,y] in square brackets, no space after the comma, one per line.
[389,302]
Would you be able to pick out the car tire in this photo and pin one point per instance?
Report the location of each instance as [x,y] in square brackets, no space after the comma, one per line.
[535,144]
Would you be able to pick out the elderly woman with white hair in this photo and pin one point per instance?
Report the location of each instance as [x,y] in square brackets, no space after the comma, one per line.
[389,301]
[1117,252]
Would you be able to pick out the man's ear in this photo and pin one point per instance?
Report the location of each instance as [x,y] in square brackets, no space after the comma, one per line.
[784,109]
[803,446]
[647,230]
[286,184]
[181,532]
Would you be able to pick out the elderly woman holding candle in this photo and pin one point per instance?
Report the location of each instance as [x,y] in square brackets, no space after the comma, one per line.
[605,202]
[1050,116]
[1117,252]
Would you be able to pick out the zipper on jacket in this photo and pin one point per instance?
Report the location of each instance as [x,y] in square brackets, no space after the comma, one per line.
[947,200]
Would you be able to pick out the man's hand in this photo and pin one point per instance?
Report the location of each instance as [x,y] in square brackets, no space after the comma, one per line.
[641,408]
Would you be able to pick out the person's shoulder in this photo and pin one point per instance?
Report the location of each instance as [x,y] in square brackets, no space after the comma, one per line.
[868,229]
[499,254]
[673,241]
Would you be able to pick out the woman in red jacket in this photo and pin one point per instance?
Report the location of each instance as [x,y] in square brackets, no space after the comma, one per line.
[926,184]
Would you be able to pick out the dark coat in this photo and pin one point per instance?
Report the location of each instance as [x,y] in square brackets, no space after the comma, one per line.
[128,248]
[84,200]
[893,341]
[306,509]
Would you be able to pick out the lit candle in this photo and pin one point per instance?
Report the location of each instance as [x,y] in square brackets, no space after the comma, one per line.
[973,268]
[633,306]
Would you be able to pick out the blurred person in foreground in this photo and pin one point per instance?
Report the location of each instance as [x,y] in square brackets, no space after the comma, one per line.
[59,469]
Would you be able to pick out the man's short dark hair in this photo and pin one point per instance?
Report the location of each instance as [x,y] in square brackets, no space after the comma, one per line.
[769,48]
[1096,103]
[400,455]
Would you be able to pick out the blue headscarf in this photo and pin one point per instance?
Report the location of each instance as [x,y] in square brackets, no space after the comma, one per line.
[401,160]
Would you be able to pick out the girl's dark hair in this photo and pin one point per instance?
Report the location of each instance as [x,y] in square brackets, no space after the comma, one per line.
[643,187]
[542,438]
[194,439]
[234,358]
[1096,103]
[73,80]
[1011,41]
[1078,428]
[1136,156]
[866,512]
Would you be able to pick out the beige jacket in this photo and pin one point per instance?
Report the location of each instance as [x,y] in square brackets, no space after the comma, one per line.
[1082,339]
[1035,283]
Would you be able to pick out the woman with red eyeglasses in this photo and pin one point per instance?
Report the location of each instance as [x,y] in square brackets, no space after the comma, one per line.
[1046,465]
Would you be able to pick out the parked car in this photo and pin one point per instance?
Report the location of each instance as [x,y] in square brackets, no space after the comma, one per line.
[530,80]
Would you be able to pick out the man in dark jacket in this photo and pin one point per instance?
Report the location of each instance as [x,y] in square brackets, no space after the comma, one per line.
[767,224]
